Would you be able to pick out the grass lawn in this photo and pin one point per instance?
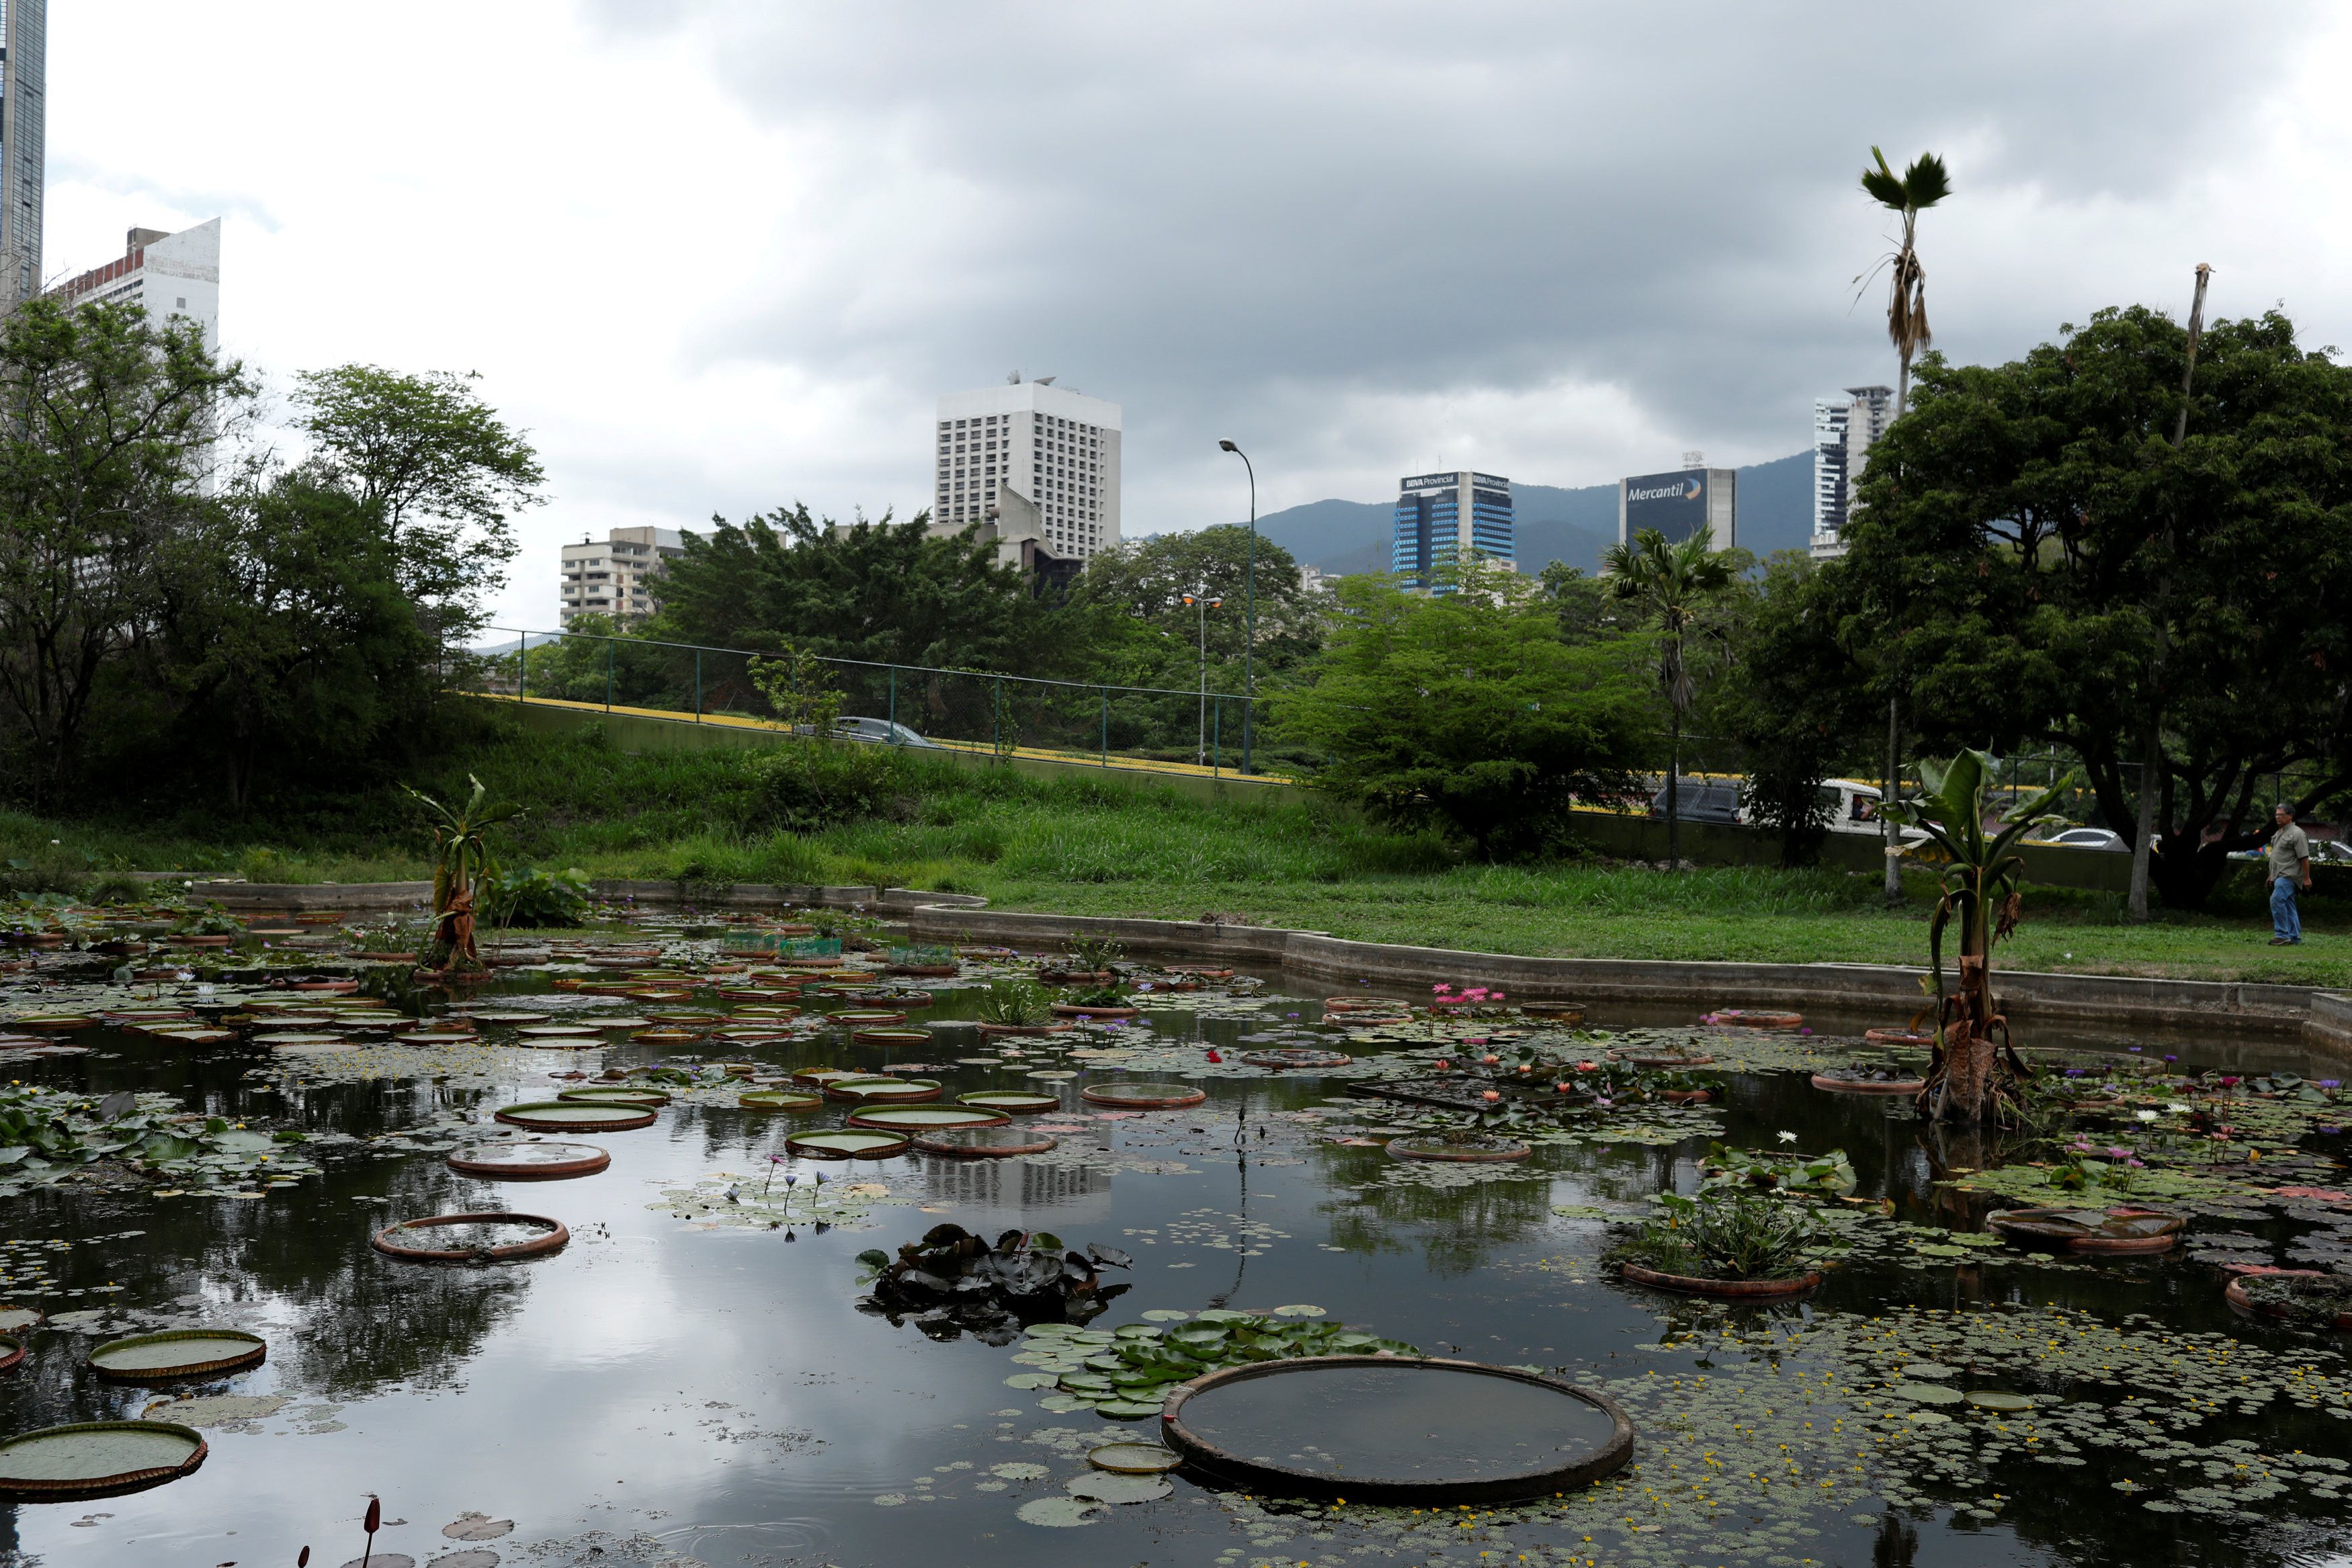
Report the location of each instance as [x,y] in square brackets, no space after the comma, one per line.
[1084,846]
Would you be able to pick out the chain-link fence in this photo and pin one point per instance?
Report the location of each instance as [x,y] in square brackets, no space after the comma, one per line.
[968,710]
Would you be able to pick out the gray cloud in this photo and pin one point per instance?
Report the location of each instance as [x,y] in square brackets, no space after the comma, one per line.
[1229,213]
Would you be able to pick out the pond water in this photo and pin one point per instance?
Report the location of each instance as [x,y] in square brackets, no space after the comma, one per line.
[691,1378]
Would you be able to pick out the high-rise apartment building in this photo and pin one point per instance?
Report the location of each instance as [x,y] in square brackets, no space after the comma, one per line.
[24,121]
[1053,448]
[170,274]
[1441,516]
[618,575]
[1844,430]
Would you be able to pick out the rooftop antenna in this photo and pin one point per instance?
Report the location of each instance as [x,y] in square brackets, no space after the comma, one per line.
[1694,459]
[1013,379]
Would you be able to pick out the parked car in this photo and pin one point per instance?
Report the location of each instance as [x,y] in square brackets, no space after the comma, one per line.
[1701,801]
[2086,839]
[880,731]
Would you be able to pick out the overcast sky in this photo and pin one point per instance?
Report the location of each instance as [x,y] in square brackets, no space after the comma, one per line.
[724,257]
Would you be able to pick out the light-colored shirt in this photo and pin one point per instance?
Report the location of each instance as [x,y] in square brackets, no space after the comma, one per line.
[2289,849]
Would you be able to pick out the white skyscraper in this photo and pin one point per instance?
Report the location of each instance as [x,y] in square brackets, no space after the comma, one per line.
[170,274]
[1844,430]
[1053,448]
[23,124]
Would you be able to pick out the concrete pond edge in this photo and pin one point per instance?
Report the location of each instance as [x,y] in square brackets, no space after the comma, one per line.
[2322,1018]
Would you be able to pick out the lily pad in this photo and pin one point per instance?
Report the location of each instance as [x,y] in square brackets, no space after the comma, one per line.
[95,1456]
[181,1353]
[1984,1399]
[1128,1409]
[1019,1472]
[1057,1512]
[1134,1459]
[1117,1488]
[1927,1394]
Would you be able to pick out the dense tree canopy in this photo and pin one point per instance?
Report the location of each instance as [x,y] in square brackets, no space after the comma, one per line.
[2037,564]
[889,593]
[1466,710]
[436,468]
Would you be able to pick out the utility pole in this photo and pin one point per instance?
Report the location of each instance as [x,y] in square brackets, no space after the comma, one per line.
[2151,763]
[1249,633]
[1206,604]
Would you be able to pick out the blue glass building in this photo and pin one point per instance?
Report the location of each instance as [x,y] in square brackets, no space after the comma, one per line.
[1439,516]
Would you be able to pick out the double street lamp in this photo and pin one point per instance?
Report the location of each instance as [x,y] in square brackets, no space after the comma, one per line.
[1249,635]
[1204,604]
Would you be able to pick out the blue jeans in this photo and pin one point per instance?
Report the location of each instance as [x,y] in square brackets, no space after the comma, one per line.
[2286,923]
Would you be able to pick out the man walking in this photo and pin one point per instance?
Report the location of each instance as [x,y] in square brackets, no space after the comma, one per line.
[2290,867]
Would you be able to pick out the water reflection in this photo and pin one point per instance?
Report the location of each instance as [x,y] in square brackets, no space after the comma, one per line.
[713,1391]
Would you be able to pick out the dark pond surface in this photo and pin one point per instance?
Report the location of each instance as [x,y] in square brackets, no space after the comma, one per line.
[678,1385]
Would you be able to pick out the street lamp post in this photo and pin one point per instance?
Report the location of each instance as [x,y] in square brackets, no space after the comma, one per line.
[1249,633]
[1205,605]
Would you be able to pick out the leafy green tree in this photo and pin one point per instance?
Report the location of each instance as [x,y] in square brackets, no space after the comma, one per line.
[1587,613]
[1796,704]
[1465,710]
[285,641]
[108,426]
[1671,587]
[883,592]
[1143,582]
[2023,514]
[436,462]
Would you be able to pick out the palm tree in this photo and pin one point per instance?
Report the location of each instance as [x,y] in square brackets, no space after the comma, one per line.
[1924,184]
[1674,585]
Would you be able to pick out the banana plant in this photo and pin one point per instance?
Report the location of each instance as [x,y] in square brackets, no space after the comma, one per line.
[1968,1079]
[461,848]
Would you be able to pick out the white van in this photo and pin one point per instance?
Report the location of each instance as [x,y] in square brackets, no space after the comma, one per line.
[1854,806]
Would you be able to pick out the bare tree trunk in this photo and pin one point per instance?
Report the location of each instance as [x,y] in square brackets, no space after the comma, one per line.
[1891,790]
[1673,793]
[2152,752]
[2143,820]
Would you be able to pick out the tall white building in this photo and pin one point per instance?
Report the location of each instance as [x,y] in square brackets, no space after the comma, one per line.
[170,274]
[1844,430]
[23,124]
[1054,449]
[615,576]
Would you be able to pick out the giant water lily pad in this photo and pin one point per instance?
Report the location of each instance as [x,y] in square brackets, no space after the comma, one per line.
[1134,1459]
[181,1352]
[926,1118]
[780,1100]
[92,1459]
[847,1143]
[632,1095]
[528,1161]
[567,1116]
[1117,1488]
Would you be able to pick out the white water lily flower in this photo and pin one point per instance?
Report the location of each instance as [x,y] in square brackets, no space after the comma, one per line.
[2177,1110]
[1788,1137]
[2145,1115]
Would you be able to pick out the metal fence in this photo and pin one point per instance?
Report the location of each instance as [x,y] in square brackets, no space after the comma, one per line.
[1146,727]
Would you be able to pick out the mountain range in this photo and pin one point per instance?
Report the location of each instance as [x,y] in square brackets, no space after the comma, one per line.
[1575,526]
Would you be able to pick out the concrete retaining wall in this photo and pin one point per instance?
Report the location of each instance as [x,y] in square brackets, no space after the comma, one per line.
[2076,999]
[2322,1018]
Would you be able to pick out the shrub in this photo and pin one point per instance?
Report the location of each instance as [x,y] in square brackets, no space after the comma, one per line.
[535,898]
[808,787]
